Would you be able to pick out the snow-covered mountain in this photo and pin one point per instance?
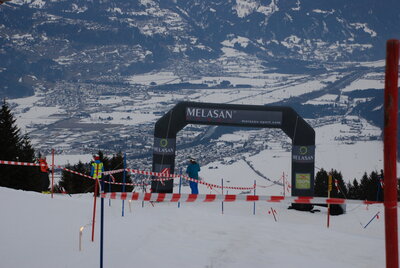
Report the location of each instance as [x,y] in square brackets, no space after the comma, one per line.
[43,42]
[93,64]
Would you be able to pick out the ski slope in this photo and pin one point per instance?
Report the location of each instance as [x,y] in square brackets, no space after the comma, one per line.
[37,231]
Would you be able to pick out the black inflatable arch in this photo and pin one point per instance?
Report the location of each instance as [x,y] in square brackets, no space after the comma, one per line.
[285,118]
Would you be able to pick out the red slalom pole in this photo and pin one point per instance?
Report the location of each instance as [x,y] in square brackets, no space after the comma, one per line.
[52,172]
[94,206]
[390,152]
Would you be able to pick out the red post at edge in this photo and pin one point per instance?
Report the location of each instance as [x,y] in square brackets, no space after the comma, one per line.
[390,152]
[52,172]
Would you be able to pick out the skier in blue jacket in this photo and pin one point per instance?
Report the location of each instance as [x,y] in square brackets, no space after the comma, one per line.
[193,172]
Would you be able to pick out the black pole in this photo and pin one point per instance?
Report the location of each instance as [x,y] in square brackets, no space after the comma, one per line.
[102,226]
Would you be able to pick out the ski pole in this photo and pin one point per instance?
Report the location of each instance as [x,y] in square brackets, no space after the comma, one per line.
[123,185]
[254,203]
[222,184]
[375,216]
[180,184]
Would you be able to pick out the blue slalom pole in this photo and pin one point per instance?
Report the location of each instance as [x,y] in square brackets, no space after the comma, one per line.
[376,215]
[109,189]
[102,225]
[222,184]
[123,184]
[180,184]
[254,203]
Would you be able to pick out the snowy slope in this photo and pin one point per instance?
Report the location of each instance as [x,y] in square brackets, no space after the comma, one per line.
[37,231]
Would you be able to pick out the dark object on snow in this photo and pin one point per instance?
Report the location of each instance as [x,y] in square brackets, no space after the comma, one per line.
[337,210]
[302,207]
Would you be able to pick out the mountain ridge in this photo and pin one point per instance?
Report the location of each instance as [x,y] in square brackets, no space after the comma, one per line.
[46,42]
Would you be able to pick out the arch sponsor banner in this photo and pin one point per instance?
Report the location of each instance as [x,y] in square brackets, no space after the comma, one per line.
[164,146]
[303,154]
[303,181]
[245,117]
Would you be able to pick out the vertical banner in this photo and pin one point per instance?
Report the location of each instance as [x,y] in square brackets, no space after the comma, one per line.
[303,157]
[163,162]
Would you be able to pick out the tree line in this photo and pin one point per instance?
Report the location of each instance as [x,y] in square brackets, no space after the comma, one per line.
[370,187]
[17,147]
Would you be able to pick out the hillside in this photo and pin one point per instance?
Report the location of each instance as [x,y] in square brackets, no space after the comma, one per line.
[38,231]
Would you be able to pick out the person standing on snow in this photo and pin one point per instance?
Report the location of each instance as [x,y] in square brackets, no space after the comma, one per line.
[44,175]
[193,172]
[97,172]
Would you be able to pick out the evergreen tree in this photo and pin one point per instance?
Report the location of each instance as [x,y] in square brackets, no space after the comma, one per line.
[370,185]
[15,148]
[73,183]
[369,188]
[364,186]
[375,192]
[321,184]
[10,142]
[380,196]
[339,188]
[354,190]
[117,162]
[30,178]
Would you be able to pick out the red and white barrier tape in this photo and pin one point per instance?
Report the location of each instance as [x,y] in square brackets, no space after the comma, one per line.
[127,184]
[112,171]
[217,186]
[151,173]
[162,176]
[75,172]
[109,182]
[15,163]
[162,197]
[266,186]
[172,176]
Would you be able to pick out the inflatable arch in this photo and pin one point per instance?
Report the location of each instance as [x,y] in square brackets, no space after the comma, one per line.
[285,118]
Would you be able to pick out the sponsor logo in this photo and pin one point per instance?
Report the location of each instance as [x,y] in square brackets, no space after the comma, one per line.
[244,117]
[303,154]
[303,181]
[303,158]
[164,146]
[163,143]
[209,113]
[303,150]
